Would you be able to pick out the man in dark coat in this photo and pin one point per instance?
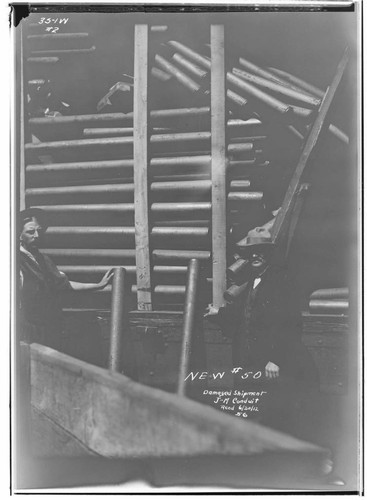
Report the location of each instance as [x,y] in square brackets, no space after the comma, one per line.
[265,325]
[42,284]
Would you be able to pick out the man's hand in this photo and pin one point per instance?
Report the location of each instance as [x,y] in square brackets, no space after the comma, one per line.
[271,370]
[211,311]
[106,279]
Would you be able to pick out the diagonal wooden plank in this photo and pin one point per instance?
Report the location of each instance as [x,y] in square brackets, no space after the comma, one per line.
[312,140]
[296,212]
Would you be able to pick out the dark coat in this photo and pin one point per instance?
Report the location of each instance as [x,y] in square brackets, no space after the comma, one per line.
[40,294]
[270,328]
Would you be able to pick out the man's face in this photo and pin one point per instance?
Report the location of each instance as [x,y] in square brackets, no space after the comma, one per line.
[31,234]
[258,260]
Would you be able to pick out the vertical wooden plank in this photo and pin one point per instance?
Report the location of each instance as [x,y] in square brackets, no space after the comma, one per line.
[218,164]
[143,275]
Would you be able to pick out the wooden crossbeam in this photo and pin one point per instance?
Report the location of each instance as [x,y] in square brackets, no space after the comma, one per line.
[218,163]
[143,274]
[314,135]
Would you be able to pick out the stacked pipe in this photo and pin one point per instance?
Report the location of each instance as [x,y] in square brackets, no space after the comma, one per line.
[245,135]
[329,301]
[256,111]
[270,94]
[51,50]
[178,221]
[89,257]
[85,179]
[275,93]
[303,98]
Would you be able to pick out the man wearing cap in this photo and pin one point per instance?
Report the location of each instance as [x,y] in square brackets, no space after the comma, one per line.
[41,283]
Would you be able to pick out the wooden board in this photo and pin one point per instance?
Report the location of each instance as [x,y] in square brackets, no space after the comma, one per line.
[115,417]
[143,277]
[218,166]
[296,212]
[319,124]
